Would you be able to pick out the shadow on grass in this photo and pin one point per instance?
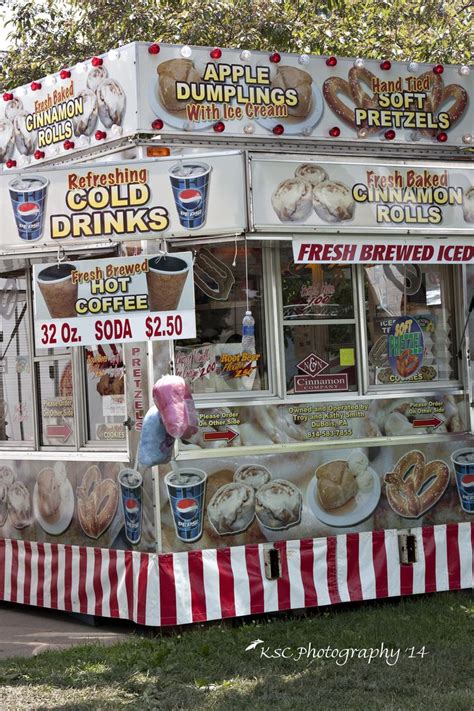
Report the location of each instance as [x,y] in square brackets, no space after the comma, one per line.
[208,667]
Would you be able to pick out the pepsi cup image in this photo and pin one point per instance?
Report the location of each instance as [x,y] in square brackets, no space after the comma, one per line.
[28,196]
[131,490]
[187,493]
[463,462]
[190,183]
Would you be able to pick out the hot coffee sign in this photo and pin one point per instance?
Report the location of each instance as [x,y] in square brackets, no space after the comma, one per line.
[114,300]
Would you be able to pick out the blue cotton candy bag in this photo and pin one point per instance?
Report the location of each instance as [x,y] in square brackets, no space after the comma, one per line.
[156,445]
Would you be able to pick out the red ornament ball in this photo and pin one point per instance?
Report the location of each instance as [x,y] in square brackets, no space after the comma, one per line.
[331,61]
[8,96]
[438,69]
[100,135]
[65,74]
[278,130]
[157,124]
[68,145]
[154,48]
[219,127]
[390,134]
[386,65]
[97,61]
[442,137]
[11,163]
[275,57]
[35,85]
[335,131]
[216,53]
[39,155]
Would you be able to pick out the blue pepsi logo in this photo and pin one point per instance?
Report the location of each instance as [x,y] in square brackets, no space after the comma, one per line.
[132,506]
[29,211]
[190,198]
[187,507]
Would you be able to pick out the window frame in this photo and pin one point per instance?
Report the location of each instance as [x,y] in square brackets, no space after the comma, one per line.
[83,445]
[455,384]
[205,400]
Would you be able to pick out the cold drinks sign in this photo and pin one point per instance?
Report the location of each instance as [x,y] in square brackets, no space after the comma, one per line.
[114,300]
[170,197]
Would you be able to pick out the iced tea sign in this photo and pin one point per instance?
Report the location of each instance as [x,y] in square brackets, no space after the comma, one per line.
[114,300]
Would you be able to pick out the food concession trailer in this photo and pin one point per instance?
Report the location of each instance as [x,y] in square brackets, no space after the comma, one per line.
[293,236]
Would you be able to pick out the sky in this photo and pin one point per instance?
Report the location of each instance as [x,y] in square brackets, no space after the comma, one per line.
[3,35]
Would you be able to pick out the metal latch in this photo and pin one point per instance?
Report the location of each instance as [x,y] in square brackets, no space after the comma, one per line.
[129,423]
[272,559]
[407,548]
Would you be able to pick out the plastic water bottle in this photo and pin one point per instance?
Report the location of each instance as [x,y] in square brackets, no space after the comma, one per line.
[248,333]
[248,346]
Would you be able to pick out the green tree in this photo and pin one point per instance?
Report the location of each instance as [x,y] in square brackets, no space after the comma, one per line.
[46,35]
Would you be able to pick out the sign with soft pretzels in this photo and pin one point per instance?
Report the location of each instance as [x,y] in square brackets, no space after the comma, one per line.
[274,95]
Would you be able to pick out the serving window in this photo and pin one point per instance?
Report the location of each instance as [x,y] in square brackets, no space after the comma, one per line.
[411,305]
[320,330]
[220,361]
[16,387]
[54,398]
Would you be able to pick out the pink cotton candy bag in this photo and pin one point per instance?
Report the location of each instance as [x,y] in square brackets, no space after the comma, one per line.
[175,403]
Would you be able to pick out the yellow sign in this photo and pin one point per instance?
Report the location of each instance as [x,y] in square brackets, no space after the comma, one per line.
[346,356]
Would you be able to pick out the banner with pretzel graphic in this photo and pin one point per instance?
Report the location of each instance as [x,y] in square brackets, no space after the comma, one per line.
[302,97]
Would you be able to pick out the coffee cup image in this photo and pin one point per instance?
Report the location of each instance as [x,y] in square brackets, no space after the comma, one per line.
[58,290]
[166,277]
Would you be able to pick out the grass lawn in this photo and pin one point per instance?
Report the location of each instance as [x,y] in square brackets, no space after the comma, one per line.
[208,668]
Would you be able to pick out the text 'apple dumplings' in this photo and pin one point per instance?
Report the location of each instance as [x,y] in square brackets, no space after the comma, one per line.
[254,475]
[293,200]
[232,508]
[278,505]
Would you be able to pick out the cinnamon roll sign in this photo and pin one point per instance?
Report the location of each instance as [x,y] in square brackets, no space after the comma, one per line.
[351,196]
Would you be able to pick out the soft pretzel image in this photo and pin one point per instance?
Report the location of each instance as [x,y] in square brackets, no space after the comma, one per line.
[361,79]
[414,486]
